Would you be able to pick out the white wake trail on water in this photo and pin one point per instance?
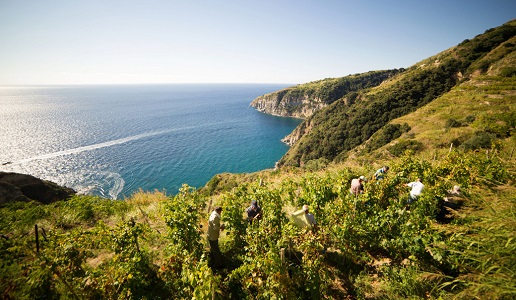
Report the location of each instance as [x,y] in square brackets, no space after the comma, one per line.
[102,145]
[108,184]
[89,147]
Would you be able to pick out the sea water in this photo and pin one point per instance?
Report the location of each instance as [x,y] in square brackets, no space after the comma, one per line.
[112,140]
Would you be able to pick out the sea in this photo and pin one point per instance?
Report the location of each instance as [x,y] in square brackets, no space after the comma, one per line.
[114,140]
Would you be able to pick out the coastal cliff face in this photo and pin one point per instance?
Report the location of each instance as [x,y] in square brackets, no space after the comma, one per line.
[284,104]
[304,100]
[297,133]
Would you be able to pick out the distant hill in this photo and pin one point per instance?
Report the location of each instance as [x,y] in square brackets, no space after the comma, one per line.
[349,118]
[301,101]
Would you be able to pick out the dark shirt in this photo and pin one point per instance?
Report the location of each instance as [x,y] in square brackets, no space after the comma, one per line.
[253,212]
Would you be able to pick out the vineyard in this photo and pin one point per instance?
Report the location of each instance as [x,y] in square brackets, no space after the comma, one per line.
[370,246]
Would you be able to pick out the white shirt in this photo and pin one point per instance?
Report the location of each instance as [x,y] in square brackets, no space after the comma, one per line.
[214,226]
[417,188]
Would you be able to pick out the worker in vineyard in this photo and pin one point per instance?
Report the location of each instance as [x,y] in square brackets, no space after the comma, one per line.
[214,229]
[357,186]
[380,173]
[417,188]
[309,217]
[254,212]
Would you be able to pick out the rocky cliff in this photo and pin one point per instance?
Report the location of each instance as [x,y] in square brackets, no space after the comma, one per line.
[22,187]
[283,103]
[303,100]
[297,133]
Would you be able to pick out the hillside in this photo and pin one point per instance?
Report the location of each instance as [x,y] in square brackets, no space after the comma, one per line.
[374,245]
[301,101]
[333,131]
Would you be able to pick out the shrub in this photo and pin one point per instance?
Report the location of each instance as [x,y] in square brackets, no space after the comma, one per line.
[478,141]
[469,119]
[387,134]
[400,147]
[508,72]
[316,164]
[452,123]
[182,216]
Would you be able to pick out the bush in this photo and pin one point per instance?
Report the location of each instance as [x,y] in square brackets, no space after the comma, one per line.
[399,148]
[469,119]
[482,140]
[316,164]
[452,123]
[502,125]
[508,72]
[385,135]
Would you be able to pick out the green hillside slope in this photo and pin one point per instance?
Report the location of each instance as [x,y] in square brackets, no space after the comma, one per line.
[371,246]
[333,131]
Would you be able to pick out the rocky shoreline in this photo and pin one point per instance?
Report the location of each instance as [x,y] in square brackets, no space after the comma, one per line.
[16,187]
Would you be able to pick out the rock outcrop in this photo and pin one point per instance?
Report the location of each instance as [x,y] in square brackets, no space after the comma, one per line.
[23,187]
[298,132]
[282,103]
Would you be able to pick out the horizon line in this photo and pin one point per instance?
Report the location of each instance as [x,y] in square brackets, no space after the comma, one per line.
[162,83]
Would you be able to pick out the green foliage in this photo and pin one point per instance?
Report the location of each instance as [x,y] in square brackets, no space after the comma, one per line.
[370,245]
[235,204]
[182,216]
[452,123]
[340,128]
[478,47]
[469,119]
[219,183]
[501,125]
[332,89]
[211,185]
[405,145]
[405,282]
[508,72]
[374,245]
[21,216]
[316,164]
[88,209]
[480,140]
[385,135]
[343,126]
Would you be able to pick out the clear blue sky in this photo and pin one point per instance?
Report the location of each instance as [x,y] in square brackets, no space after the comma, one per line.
[217,41]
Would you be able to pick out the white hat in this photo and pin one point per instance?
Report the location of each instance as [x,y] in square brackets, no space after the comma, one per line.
[362,177]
